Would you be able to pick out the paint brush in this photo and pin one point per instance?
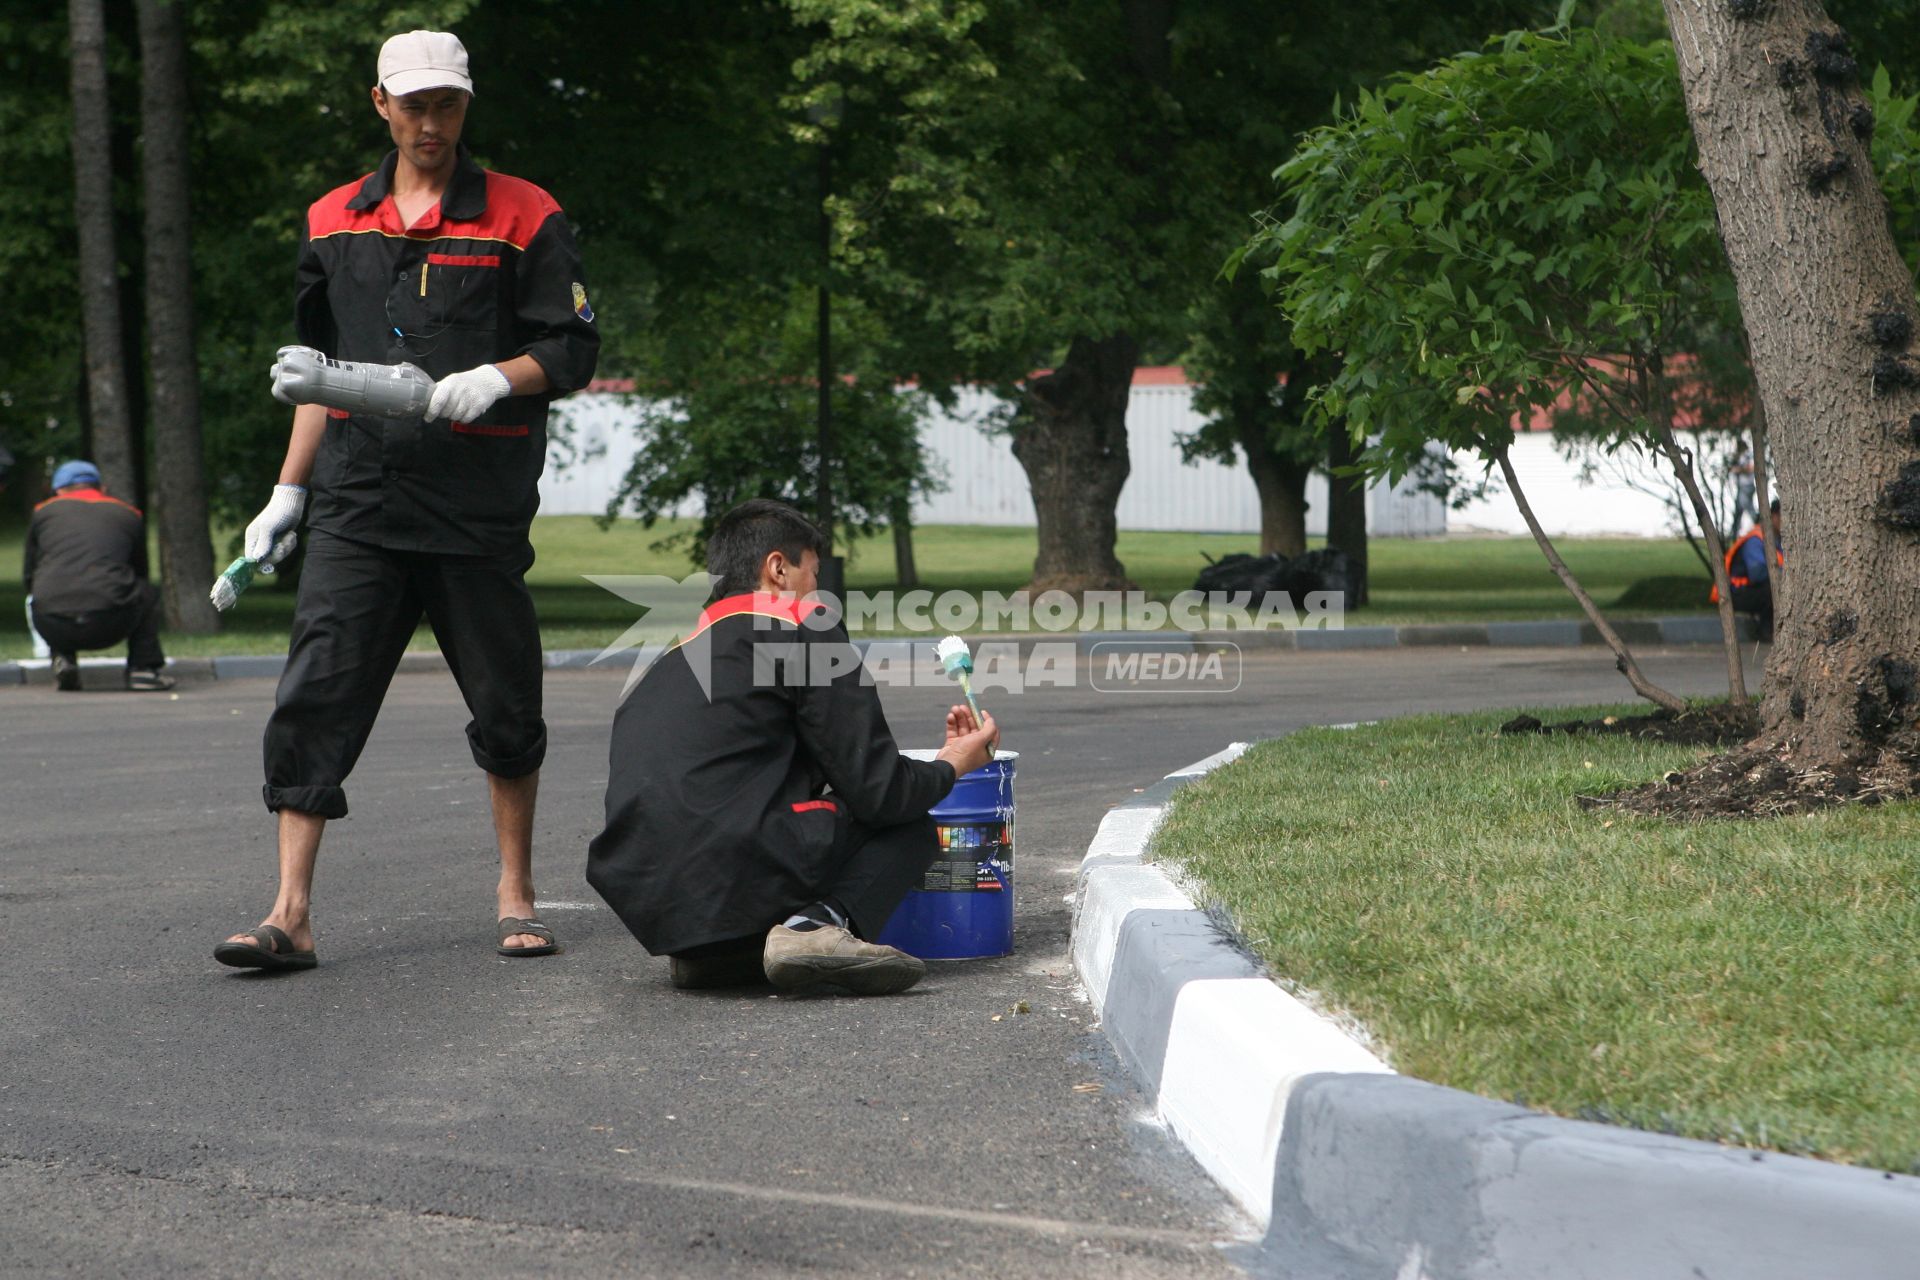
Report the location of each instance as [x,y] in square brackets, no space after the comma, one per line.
[957,661]
[237,577]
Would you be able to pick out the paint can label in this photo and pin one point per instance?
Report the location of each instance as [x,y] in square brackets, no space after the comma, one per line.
[974,857]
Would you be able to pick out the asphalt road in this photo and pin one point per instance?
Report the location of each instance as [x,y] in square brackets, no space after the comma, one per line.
[420,1106]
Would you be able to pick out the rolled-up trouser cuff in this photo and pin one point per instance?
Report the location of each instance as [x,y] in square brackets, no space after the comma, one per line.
[325,802]
[509,766]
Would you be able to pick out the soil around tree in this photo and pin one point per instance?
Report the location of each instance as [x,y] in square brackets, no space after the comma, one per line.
[1754,779]
[1712,725]
[1765,781]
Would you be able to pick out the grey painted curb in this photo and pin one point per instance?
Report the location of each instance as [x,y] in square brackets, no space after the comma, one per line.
[1655,631]
[1384,1176]
[1360,1174]
[247,665]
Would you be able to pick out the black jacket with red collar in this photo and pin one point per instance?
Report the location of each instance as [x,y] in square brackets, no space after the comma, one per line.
[488,274]
[85,552]
[718,822]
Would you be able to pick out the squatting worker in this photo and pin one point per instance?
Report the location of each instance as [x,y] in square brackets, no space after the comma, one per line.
[723,846]
[1747,572]
[86,573]
[473,276]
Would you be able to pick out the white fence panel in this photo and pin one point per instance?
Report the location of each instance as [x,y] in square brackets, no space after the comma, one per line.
[983,483]
[1564,505]
[597,438]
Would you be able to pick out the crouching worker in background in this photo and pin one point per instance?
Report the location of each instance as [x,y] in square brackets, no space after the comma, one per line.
[1748,576]
[86,573]
[760,819]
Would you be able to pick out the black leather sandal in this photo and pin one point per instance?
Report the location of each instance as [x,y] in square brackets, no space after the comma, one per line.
[510,925]
[271,949]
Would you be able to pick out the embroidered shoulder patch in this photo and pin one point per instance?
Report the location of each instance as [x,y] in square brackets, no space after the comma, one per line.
[580,307]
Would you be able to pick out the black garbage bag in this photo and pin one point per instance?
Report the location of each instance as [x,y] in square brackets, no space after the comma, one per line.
[1238,571]
[1326,569]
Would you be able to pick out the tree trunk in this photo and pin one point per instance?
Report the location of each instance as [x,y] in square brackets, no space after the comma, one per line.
[905,575]
[1347,507]
[1829,308]
[1282,483]
[109,431]
[186,546]
[1622,656]
[1070,436]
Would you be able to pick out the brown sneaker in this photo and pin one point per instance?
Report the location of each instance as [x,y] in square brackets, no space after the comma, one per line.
[828,954]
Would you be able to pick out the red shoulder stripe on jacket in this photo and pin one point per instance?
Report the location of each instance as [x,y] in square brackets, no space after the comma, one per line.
[87,495]
[515,211]
[763,604]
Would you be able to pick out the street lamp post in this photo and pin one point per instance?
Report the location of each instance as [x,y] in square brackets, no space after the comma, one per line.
[826,115]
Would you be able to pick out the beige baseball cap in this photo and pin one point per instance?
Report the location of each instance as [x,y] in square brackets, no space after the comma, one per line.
[424,60]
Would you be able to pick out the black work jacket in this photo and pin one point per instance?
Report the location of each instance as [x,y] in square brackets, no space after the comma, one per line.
[489,274]
[85,552]
[718,820]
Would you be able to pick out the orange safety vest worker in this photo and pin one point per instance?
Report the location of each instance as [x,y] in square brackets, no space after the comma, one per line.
[1736,579]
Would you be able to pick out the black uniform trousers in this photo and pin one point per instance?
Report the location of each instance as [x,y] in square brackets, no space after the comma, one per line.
[137,622]
[877,868]
[1756,598]
[358,607]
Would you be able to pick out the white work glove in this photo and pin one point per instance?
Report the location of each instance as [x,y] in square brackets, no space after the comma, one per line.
[271,537]
[463,397]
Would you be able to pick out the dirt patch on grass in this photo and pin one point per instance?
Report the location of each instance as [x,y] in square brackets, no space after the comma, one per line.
[1762,782]
[1744,782]
[1716,725]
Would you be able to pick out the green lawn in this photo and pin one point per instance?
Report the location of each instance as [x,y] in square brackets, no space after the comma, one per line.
[1436,580]
[1750,982]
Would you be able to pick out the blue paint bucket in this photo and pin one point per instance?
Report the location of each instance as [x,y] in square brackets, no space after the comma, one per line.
[963,909]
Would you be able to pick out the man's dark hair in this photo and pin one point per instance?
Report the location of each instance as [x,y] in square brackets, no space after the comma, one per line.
[744,537]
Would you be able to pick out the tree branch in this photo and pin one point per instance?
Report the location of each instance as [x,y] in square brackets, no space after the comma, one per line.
[1622,656]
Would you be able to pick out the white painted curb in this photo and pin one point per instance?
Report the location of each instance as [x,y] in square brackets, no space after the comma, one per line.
[1107,897]
[1236,1046]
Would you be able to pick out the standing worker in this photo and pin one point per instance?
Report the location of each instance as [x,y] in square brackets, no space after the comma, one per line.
[472,276]
[86,573]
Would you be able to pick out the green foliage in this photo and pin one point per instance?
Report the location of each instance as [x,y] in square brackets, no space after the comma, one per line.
[1000,161]
[41,374]
[1883,32]
[742,425]
[1239,349]
[1476,238]
[1896,159]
